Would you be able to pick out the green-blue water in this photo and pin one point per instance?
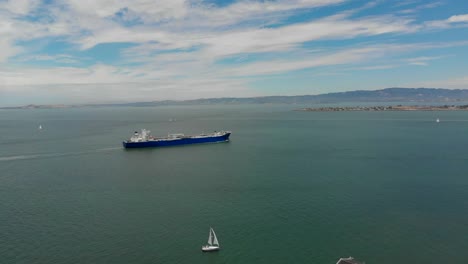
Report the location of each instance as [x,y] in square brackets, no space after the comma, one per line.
[290,187]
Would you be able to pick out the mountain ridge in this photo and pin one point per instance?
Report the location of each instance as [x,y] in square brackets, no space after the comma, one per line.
[393,94]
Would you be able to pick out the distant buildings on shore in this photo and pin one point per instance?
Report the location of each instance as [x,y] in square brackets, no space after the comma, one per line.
[388,108]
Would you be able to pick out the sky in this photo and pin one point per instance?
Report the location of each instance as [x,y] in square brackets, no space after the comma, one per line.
[107,51]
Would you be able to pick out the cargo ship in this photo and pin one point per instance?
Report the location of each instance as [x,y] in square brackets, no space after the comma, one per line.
[144,139]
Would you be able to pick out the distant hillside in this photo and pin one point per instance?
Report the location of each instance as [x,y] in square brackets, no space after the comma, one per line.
[398,95]
[384,95]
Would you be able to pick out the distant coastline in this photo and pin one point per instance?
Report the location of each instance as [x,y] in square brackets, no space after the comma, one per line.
[388,108]
[389,95]
[38,106]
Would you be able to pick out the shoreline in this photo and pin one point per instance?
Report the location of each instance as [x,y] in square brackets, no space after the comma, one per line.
[386,108]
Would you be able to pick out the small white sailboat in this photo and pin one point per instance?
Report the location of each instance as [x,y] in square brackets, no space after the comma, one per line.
[213,244]
[437,120]
[40,127]
[349,260]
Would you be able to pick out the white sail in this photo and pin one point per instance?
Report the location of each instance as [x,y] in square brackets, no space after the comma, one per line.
[209,238]
[215,241]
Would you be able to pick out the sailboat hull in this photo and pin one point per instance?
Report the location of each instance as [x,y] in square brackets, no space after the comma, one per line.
[209,248]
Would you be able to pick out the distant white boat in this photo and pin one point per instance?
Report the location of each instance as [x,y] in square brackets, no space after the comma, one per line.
[40,127]
[349,260]
[213,244]
[437,120]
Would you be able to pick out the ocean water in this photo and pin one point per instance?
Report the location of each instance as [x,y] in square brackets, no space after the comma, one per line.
[290,187]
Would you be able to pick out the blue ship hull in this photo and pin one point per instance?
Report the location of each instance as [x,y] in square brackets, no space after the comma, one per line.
[176,142]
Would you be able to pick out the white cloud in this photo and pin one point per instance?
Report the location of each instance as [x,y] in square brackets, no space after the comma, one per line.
[263,11]
[176,66]
[419,63]
[422,61]
[406,3]
[150,11]
[281,66]
[349,56]
[376,67]
[421,7]
[90,23]
[59,58]
[63,75]
[287,38]
[19,7]
[13,30]
[458,18]
[177,34]
[7,49]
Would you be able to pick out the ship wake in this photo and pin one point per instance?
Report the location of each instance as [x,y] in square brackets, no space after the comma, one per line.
[55,155]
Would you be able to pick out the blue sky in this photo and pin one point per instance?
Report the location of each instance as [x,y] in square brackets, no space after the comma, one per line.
[75,51]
